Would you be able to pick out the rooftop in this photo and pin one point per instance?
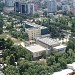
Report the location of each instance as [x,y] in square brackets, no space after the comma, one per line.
[59,47]
[71,66]
[32,28]
[63,72]
[35,48]
[1,73]
[35,25]
[48,41]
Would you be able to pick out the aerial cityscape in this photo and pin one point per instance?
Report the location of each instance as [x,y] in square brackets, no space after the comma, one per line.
[37,37]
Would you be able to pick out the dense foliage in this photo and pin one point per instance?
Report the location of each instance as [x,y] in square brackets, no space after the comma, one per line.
[55,62]
[1,23]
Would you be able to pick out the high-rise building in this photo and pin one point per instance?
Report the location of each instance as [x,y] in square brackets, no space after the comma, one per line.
[52,6]
[24,7]
[16,6]
[9,2]
[66,8]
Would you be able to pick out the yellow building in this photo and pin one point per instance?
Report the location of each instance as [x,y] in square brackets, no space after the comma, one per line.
[33,32]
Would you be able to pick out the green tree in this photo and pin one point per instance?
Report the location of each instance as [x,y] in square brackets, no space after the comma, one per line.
[43,54]
[11,70]
[50,60]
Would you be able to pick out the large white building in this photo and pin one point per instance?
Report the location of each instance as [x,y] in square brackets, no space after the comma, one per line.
[36,50]
[52,6]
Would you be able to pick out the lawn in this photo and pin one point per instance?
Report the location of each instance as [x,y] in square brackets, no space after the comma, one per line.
[5,36]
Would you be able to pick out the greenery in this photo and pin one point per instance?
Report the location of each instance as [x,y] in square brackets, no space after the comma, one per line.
[20,61]
[1,24]
[55,62]
[21,35]
[55,26]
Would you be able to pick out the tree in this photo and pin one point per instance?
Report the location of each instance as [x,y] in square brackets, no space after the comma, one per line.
[1,25]
[9,19]
[9,27]
[71,44]
[45,14]
[36,15]
[11,70]
[63,63]
[8,43]
[50,60]
[43,54]
[12,59]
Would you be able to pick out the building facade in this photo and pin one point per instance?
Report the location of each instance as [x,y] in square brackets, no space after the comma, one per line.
[36,50]
[24,7]
[66,8]
[33,33]
[52,6]
[10,3]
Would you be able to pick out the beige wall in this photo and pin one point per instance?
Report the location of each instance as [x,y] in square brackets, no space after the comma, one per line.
[33,33]
[37,54]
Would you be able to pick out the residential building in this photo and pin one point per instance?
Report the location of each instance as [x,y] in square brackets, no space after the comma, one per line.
[33,33]
[44,30]
[24,7]
[10,3]
[73,7]
[8,9]
[52,6]
[16,6]
[66,8]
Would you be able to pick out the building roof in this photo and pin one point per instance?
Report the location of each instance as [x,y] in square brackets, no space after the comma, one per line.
[1,73]
[35,48]
[60,47]
[49,41]
[33,28]
[71,66]
[63,72]
[35,25]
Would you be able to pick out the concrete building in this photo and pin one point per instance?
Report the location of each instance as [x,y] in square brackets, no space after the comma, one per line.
[52,6]
[60,48]
[36,50]
[24,7]
[33,33]
[17,6]
[44,30]
[47,42]
[8,9]
[66,8]
[10,3]
[73,7]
